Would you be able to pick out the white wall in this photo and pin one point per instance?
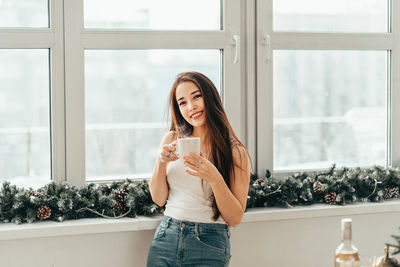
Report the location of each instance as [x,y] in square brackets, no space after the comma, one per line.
[308,242]
[272,242]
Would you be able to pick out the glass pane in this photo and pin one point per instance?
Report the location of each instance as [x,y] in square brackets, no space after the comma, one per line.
[329,107]
[24,117]
[126,94]
[153,14]
[24,13]
[330,16]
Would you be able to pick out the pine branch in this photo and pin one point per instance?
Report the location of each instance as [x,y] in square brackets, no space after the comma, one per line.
[274,192]
[105,216]
[373,192]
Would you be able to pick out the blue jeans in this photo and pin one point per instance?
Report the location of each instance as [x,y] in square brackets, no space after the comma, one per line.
[182,243]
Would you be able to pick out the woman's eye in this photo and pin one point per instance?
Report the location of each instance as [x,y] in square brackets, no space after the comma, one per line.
[197,96]
[181,103]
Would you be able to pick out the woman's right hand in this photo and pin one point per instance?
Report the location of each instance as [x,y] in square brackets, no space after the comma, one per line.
[167,152]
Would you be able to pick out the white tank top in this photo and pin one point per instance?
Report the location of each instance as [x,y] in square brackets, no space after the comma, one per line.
[188,199]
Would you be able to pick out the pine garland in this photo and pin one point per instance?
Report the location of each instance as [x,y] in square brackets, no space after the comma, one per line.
[60,201]
[335,186]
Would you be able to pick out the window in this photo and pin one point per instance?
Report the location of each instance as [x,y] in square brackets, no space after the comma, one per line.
[31,88]
[25,116]
[153,14]
[120,67]
[84,83]
[330,16]
[324,119]
[324,81]
[24,13]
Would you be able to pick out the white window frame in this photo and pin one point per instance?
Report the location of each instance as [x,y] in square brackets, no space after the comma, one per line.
[247,86]
[47,38]
[268,40]
[249,81]
[77,39]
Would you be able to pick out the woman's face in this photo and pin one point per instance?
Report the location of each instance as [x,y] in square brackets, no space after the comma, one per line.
[191,103]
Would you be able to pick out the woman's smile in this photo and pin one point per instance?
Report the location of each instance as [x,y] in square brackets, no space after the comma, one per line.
[196,115]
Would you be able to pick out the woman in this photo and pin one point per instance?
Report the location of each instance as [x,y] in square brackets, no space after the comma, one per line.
[203,200]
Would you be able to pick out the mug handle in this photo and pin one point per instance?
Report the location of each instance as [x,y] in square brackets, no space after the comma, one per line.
[176,153]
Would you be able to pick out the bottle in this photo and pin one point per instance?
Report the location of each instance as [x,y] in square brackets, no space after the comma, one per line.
[346,254]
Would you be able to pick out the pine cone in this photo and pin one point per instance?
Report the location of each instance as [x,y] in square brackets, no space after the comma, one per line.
[396,192]
[391,192]
[121,194]
[32,193]
[318,187]
[259,182]
[43,212]
[118,207]
[330,198]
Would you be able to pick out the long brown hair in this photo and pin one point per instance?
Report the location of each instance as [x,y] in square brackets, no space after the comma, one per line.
[221,136]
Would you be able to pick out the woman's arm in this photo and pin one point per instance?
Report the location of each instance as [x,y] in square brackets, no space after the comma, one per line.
[231,202]
[159,189]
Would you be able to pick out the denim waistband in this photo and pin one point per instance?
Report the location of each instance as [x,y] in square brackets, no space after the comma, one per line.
[216,226]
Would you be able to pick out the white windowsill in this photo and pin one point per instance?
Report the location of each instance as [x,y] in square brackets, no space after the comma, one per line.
[10,231]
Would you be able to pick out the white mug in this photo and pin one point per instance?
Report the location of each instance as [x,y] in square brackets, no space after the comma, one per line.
[187,145]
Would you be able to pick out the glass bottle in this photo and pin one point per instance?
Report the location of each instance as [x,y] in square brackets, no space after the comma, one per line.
[346,254]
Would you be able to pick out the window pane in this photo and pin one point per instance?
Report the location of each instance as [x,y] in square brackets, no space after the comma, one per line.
[330,16]
[153,14]
[329,107]
[24,117]
[24,13]
[126,94]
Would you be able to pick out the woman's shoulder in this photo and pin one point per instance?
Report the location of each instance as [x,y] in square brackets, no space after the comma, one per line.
[239,151]
[236,144]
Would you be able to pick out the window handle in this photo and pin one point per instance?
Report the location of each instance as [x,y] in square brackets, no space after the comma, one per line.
[266,41]
[236,43]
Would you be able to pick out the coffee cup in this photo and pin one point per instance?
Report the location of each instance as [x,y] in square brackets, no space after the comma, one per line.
[187,145]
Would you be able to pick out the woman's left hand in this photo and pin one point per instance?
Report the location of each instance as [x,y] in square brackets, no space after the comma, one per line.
[202,167]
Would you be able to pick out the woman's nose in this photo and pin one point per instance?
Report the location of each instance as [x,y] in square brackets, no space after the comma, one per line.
[191,106]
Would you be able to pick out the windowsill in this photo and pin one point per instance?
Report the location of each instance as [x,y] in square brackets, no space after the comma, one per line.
[10,231]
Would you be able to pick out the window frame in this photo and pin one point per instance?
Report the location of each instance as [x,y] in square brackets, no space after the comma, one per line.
[47,38]
[247,85]
[269,40]
[77,39]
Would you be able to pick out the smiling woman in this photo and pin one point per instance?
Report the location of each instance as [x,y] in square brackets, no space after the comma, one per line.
[201,202]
